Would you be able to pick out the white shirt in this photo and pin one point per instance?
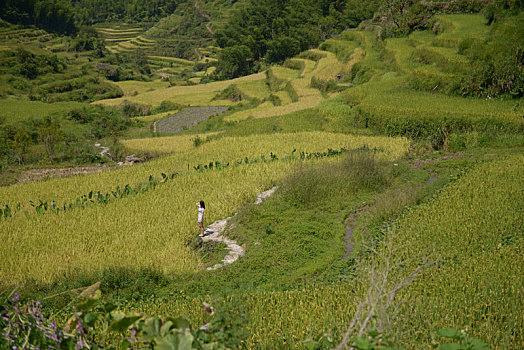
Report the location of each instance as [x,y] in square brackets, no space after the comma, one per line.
[200,213]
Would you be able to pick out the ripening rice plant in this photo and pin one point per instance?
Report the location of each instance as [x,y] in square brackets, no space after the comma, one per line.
[162,145]
[275,319]
[194,95]
[256,88]
[473,231]
[132,87]
[267,109]
[357,56]
[146,230]
[284,73]
[172,59]
[329,67]
[153,117]
[227,149]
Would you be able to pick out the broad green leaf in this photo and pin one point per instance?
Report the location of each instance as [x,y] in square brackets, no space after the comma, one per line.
[361,344]
[123,324]
[108,307]
[182,322]
[90,319]
[373,334]
[476,344]
[86,305]
[310,344]
[151,328]
[451,346]
[448,332]
[165,328]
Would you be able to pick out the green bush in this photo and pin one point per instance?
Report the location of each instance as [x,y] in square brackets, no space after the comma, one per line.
[354,171]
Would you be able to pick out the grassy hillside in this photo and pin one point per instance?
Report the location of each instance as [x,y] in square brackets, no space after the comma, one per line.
[398,211]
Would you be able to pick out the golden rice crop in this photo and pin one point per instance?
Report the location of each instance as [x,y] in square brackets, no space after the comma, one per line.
[328,67]
[247,113]
[402,52]
[256,88]
[267,109]
[211,70]
[194,80]
[153,117]
[148,230]
[119,31]
[172,59]
[284,97]
[192,95]
[139,87]
[284,73]
[386,98]
[168,144]
[223,149]
[475,230]
[465,26]
[309,65]
[275,319]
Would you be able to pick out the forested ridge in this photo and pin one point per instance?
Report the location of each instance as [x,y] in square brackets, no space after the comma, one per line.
[275,30]
[61,15]
[96,11]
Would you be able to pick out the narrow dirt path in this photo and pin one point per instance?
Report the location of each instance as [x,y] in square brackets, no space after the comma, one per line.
[214,233]
[206,16]
[154,126]
[350,227]
[104,150]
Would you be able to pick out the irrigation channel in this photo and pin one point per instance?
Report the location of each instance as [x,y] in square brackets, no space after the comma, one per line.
[214,232]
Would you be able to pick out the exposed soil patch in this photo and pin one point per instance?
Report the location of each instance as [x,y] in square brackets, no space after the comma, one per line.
[186,118]
[39,174]
[350,227]
[419,163]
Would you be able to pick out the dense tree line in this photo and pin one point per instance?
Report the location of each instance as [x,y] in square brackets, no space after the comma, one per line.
[53,15]
[96,11]
[273,30]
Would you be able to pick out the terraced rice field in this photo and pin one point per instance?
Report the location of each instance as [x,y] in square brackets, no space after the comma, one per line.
[166,144]
[122,38]
[197,95]
[127,223]
[327,68]
[473,231]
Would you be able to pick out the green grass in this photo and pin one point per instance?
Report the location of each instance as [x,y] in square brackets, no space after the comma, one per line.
[20,111]
[464,209]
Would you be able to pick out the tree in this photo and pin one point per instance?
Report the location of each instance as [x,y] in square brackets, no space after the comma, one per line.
[50,134]
[394,10]
[20,143]
[234,61]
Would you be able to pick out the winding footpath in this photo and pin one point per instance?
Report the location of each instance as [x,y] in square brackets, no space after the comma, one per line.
[214,232]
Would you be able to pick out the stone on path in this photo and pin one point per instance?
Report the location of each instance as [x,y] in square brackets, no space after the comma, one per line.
[214,232]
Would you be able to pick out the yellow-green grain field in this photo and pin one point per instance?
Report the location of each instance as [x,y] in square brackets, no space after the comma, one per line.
[329,67]
[132,88]
[283,318]
[164,145]
[153,117]
[196,95]
[267,109]
[151,231]
[226,149]
[256,88]
[473,232]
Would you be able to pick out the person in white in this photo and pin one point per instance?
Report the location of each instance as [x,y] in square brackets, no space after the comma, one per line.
[201,208]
